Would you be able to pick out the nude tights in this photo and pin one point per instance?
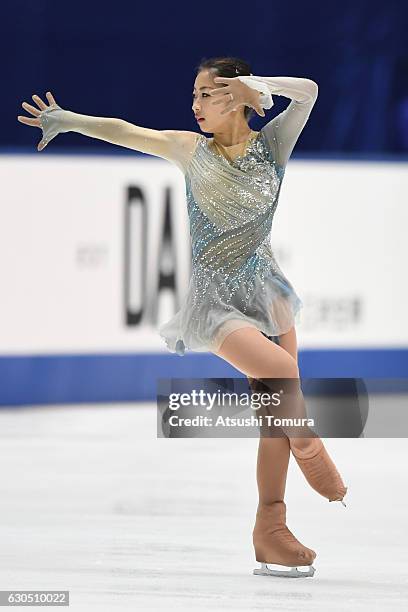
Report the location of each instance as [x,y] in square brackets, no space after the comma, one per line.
[258,357]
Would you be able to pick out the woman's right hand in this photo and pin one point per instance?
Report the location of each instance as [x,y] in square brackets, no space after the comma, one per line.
[42,119]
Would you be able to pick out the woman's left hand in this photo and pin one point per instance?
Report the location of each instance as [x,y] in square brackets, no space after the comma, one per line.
[242,95]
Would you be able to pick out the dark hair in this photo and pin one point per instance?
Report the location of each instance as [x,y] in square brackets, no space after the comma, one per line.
[228,67]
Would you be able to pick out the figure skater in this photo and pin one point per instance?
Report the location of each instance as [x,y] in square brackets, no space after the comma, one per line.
[238,299]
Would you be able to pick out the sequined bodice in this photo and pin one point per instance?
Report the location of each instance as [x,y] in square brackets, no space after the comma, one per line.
[236,281]
[231,205]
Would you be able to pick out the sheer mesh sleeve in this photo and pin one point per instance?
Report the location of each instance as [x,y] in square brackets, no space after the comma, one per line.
[55,120]
[283,131]
[176,146]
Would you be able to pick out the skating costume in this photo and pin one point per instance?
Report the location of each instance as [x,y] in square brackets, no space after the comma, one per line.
[236,281]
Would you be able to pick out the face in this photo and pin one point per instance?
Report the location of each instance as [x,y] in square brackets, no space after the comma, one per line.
[202,106]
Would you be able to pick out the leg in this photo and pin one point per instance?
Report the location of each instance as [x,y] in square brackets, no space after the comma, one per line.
[275,452]
[254,354]
[325,480]
[272,468]
[257,357]
[288,341]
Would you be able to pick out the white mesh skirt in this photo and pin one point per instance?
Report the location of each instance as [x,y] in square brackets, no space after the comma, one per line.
[269,304]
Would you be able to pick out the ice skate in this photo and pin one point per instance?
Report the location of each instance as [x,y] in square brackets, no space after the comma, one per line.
[320,471]
[294,572]
[275,544]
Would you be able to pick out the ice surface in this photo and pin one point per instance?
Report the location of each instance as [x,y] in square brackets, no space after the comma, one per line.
[94,503]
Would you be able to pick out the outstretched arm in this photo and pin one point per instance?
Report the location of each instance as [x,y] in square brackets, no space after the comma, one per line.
[283,131]
[173,145]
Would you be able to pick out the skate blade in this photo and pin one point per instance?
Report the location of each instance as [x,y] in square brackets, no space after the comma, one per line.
[264,570]
[340,500]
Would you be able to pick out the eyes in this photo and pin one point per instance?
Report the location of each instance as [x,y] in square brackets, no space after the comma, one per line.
[204,94]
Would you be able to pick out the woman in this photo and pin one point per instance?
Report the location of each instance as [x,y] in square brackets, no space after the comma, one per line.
[238,298]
